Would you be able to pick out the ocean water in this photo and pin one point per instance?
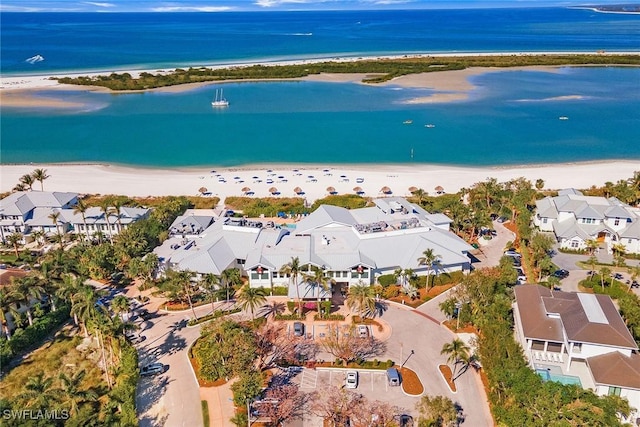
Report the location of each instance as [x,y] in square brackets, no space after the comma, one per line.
[511,117]
[107,41]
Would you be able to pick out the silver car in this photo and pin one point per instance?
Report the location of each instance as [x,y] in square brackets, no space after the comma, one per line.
[352,379]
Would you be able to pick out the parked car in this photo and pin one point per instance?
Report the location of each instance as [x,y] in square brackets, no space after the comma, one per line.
[516,261]
[617,276]
[512,253]
[352,379]
[152,369]
[363,331]
[298,329]
[561,274]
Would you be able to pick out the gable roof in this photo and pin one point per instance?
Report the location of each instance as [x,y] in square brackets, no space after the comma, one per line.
[22,202]
[616,369]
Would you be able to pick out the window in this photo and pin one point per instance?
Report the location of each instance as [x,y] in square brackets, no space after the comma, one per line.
[574,244]
[544,220]
[614,391]
[616,222]
[577,348]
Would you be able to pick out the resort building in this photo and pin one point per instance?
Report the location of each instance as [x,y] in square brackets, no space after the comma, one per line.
[24,212]
[350,246]
[578,338]
[576,219]
[95,224]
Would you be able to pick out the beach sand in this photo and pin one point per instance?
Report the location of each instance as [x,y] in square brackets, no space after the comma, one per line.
[312,179]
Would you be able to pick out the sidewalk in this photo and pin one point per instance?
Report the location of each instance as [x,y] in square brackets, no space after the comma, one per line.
[220,403]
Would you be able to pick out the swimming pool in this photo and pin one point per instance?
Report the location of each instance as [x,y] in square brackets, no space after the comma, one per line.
[548,375]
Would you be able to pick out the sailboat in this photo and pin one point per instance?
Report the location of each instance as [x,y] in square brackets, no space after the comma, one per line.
[219,100]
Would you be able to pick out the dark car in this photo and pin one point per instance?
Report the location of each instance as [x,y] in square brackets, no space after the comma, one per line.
[617,276]
[298,329]
[561,274]
[152,369]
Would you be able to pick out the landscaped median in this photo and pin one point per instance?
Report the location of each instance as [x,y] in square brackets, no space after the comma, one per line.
[411,384]
[447,376]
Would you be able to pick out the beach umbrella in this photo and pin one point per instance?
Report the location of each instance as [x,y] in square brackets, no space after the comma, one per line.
[439,189]
[385,190]
[413,189]
[297,190]
[358,190]
[203,190]
[331,190]
[245,189]
[273,190]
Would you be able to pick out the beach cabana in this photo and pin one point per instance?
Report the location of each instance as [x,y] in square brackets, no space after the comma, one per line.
[385,190]
[439,190]
[245,190]
[331,190]
[203,190]
[358,190]
[298,190]
[273,190]
[413,189]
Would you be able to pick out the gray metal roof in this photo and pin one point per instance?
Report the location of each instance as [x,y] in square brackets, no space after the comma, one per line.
[21,202]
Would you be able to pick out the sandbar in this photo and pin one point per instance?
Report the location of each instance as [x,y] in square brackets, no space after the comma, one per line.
[313,180]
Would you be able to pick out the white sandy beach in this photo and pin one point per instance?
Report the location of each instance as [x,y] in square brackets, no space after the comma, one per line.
[312,179]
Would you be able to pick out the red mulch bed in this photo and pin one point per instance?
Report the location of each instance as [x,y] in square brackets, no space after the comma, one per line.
[468,328]
[422,294]
[202,382]
[410,382]
[448,376]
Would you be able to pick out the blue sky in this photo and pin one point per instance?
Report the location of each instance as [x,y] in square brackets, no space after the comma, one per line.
[245,5]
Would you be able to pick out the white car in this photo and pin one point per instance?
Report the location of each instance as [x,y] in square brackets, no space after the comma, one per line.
[352,379]
[363,331]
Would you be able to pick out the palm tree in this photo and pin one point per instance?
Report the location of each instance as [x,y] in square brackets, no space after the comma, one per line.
[120,305]
[38,392]
[19,187]
[84,305]
[273,309]
[319,278]
[211,283]
[635,273]
[183,279]
[8,297]
[292,269]
[431,260]
[105,207]
[592,245]
[251,298]
[38,236]
[30,290]
[604,272]
[73,394]
[27,181]
[456,351]
[539,184]
[70,286]
[116,209]
[54,217]
[81,208]
[40,175]
[229,278]
[361,300]
[14,239]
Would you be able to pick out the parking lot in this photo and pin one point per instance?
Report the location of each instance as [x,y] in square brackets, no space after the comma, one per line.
[371,384]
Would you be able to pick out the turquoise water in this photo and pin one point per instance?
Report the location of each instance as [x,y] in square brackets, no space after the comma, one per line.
[511,118]
[563,379]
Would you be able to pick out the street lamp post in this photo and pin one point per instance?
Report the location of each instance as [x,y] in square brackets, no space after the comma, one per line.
[410,354]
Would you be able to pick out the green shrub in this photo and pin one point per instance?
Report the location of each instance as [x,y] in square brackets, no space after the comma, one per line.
[281,291]
[216,314]
[288,317]
[291,306]
[391,292]
[387,280]
[349,201]
[329,317]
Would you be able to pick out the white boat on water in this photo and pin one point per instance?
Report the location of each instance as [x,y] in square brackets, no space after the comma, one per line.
[430,125]
[563,118]
[34,59]
[219,100]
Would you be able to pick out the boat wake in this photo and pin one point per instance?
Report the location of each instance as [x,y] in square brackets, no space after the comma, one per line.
[34,59]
